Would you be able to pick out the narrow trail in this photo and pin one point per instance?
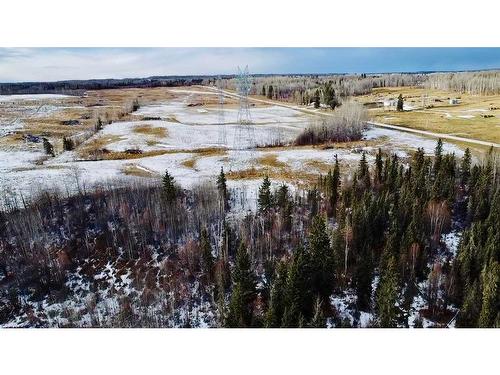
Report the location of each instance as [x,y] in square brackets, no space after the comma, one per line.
[436,135]
[377,124]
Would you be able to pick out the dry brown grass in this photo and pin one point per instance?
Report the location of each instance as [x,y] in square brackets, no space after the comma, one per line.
[246,174]
[283,174]
[134,170]
[96,148]
[125,155]
[318,165]
[200,153]
[97,144]
[271,160]
[148,129]
[190,163]
[151,142]
[435,119]
[208,151]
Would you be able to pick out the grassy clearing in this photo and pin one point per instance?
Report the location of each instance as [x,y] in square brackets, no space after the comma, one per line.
[467,119]
[148,129]
[271,160]
[126,155]
[96,145]
[299,178]
[318,165]
[96,148]
[208,151]
[134,170]
[190,163]
[201,153]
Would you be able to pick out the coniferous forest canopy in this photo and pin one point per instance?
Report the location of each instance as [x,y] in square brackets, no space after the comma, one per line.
[361,247]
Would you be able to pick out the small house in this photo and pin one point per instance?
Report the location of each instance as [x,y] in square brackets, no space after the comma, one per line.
[454,101]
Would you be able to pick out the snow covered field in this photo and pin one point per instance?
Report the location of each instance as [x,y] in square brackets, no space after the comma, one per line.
[31,97]
[185,131]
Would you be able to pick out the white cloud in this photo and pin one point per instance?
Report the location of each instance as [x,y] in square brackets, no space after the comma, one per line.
[50,64]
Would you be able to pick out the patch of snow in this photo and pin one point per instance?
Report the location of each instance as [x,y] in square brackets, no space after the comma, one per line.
[401,139]
[476,110]
[29,97]
[452,241]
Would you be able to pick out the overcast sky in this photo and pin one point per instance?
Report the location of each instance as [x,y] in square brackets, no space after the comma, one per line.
[51,64]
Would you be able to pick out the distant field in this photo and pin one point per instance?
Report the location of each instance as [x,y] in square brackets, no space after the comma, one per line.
[174,129]
[470,118]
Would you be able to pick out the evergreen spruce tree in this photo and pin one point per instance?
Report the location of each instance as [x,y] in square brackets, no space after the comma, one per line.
[361,246]
[491,301]
[276,309]
[379,166]
[400,104]
[47,146]
[386,296]
[263,93]
[222,188]
[471,308]
[68,144]
[169,188]
[270,92]
[265,199]
[329,95]
[285,205]
[322,260]
[364,172]
[465,167]
[244,291]
[318,320]
[298,293]
[438,156]
[317,102]
[333,186]
[98,125]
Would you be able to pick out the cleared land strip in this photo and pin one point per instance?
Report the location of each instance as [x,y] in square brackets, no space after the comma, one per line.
[378,124]
[432,134]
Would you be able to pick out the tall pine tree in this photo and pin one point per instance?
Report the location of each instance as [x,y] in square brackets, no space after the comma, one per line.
[244,291]
[169,188]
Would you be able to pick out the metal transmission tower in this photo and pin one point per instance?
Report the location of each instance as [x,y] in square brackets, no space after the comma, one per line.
[222,139]
[245,134]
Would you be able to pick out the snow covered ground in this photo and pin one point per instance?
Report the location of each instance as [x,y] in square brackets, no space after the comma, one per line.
[183,132]
[30,97]
[98,299]
[402,140]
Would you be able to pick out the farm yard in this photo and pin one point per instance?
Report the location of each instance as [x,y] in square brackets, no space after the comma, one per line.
[473,116]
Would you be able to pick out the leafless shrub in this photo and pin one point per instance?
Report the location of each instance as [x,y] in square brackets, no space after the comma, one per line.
[347,125]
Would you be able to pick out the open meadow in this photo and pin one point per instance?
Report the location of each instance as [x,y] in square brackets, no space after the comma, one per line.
[178,130]
[468,116]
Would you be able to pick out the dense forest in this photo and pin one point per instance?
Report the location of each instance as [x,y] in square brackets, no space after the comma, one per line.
[78,87]
[364,248]
[474,83]
[328,89]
